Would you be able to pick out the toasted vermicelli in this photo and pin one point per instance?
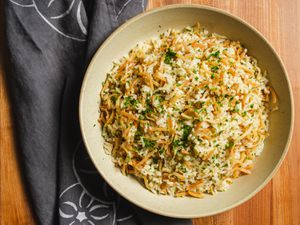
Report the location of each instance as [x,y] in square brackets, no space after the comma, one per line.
[186,112]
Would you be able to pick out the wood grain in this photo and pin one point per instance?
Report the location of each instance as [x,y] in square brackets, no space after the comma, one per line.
[14,207]
[277,204]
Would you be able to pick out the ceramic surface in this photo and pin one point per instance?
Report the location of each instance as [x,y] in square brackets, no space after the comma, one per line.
[150,24]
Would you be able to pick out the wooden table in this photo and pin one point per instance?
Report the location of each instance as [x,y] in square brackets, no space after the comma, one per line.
[277,204]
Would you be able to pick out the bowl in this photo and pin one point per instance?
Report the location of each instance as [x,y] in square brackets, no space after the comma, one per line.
[145,26]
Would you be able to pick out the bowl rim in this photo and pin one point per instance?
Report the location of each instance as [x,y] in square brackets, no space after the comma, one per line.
[217,10]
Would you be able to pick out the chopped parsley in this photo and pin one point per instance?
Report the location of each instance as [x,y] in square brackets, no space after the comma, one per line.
[113,99]
[214,69]
[176,143]
[183,169]
[184,138]
[186,132]
[130,101]
[169,56]
[229,144]
[161,151]
[148,143]
[148,101]
[145,112]
[213,89]
[155,160]
[148,107]
[138,133]
[215,54]
[159,98]
[203,110]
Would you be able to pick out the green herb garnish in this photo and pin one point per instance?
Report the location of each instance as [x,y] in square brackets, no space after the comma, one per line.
[155,160]
[229,144]
[214,69]
[130,101]
[161,151]
[203,110]
[113,99]
[145,112]
[148,143]
[169,56]
[138,133]
[148,107]
[216,54]
[159,98]
[186,132]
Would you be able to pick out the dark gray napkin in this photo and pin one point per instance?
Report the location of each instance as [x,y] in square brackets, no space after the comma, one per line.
[50,43]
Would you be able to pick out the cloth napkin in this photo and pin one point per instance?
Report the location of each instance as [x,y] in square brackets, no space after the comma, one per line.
[50,43]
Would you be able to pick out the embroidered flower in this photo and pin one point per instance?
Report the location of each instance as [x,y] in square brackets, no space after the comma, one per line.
[86,211]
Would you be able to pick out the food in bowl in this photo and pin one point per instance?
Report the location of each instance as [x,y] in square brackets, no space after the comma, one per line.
[186,112]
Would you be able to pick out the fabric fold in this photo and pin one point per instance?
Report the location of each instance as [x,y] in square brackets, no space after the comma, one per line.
[50,43]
